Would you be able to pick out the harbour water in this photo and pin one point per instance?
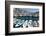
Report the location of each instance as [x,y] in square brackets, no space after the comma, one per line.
[25,21]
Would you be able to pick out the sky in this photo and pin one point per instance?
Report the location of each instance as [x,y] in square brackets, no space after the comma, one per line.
[33,10]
